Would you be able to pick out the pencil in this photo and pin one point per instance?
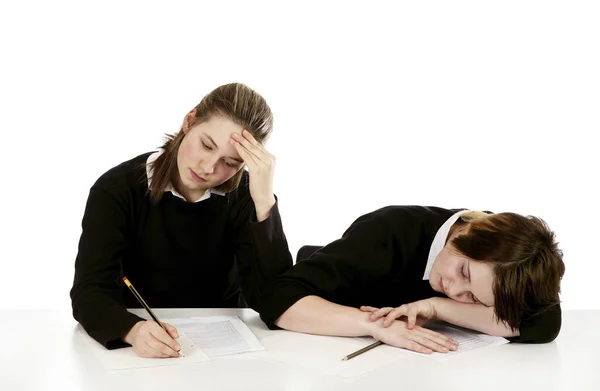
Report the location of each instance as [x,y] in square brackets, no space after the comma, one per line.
[361,351]
[142,302]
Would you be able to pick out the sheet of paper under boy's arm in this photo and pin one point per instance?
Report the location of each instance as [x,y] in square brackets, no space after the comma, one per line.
[468,341]
[324,354]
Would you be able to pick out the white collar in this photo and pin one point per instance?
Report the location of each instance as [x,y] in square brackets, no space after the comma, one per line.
[439,241]
[170,188]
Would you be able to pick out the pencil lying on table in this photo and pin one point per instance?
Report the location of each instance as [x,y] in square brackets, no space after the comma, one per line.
[361,351]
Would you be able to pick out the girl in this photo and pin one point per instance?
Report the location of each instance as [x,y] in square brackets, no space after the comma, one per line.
[186,224]
[495,273]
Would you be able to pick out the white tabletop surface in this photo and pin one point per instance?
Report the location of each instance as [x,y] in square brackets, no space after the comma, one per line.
[41,350]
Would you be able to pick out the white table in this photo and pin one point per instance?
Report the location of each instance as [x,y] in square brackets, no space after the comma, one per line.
[40,351]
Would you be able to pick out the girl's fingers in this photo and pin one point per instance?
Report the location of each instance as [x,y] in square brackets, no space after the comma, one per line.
[155,348]
[244,153]
[248,136]
[157,334]
[255,149]
[172,331]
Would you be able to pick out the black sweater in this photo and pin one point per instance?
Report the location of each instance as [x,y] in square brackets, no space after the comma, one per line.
[380,261]
[177,254]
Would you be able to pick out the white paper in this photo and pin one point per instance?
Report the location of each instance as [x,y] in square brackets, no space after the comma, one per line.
[324,354]
[218,335]
[468,340]
[126,358]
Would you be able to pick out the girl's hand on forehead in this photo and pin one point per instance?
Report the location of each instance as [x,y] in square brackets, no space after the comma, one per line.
[261,167]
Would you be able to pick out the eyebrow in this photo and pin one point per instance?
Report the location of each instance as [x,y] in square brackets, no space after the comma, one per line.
[215,145]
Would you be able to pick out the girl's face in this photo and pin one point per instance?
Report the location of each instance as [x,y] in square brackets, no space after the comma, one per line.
[461,278]
[206,158]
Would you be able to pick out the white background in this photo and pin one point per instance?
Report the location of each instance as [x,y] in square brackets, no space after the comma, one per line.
[476,104]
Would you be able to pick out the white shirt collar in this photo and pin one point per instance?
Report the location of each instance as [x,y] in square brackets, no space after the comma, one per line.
[170,188]
[440,241]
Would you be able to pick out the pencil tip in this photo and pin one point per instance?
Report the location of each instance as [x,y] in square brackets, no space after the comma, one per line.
[345,359]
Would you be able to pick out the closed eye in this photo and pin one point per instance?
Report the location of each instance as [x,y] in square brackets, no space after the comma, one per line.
[475,299]
[229,164]
[468,276]
[206,146]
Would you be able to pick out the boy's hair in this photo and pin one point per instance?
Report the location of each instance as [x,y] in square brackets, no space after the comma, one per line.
[527,262]
[235,101]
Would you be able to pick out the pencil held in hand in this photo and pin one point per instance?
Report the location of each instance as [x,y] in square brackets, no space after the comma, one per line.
[142,302]
[166,347]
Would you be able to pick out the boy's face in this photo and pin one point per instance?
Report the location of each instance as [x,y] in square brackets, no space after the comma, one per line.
[461,278]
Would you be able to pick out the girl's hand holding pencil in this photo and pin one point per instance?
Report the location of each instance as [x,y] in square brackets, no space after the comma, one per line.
[152,338]
[148,339]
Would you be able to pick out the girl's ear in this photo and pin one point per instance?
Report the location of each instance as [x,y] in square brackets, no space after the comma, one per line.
[188,121]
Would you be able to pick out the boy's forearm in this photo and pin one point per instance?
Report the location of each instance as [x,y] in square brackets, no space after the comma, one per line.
[472,316]
[314,315]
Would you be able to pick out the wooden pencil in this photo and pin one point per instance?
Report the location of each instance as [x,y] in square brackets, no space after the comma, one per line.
[142,302]
[361,351]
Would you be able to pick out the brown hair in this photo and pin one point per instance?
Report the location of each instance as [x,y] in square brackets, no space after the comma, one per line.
[236,101]
[527,262]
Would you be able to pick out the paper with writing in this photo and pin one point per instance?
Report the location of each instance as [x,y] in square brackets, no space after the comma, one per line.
[219,335]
